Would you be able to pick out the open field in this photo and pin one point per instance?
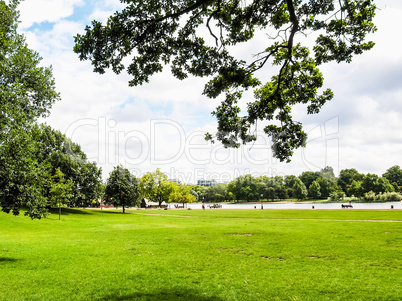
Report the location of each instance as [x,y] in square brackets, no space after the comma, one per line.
[203,255]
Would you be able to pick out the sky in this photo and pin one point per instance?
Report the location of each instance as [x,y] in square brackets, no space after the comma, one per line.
[162,124]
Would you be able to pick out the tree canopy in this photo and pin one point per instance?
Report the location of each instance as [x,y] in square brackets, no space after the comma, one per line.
[27,89]
[199,38]
[57,151]
[394,176]
[181,194]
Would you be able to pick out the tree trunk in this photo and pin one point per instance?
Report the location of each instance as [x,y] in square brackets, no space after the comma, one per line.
[59,212]
[124,209]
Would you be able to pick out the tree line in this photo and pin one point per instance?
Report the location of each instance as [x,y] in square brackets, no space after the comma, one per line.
[323,184]
[125,190]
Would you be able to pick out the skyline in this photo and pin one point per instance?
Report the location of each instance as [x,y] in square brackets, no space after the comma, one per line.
[161,124]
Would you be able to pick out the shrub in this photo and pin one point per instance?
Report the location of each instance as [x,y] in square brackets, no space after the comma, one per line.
[351,199]
[369,196]
[391,197]
[336,196]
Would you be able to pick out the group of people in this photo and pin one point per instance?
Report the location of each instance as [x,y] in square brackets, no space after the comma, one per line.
[212,206]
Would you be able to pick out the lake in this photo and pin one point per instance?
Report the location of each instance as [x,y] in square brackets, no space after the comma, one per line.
[396,205]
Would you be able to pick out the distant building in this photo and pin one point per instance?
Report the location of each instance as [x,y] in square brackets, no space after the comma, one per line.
[175,181]
[206,183]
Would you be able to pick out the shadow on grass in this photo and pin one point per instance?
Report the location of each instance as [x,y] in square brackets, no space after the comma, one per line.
[118,211]
[68,211]
[6,259]
[177,294]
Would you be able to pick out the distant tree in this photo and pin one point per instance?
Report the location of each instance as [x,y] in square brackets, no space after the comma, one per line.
[290,181]
[60,190]
[272,193]
[244,188]
[346,177]
[262,184]
[149,34]
[394,176]
[308,177]
[230,196]
[385,185]
[327,187]
[198,192]
[299,190]
[376,184]
[327,173]
[314,191]
[181,194]
[269,187]
[356,189]
[122,188]
[282,192]
[370,183]
[215,193]
[156,187]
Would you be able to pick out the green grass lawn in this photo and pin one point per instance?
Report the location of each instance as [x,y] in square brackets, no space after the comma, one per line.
[202,255]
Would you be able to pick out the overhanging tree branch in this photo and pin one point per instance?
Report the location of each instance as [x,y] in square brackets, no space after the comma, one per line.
[178,40]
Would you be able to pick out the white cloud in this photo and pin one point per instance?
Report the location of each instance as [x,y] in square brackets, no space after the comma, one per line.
[38,11]
[103,9]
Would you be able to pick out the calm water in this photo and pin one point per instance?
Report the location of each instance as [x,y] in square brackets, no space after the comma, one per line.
[397,205]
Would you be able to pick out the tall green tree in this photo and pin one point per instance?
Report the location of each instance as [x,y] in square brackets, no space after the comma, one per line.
[23,182]
[299,190]
[356,189]
[27,92]
[289,183]
[377,184]
[154,33]
[282,192]
[57,151]
[314,191]
[156,187]
[215,193]
[181,194]
[394,176]
[308,177]
[328,174]
[60,190]
[198,192]
[347,176]
[270,187]
[326,187]
[122,188]
[244,188]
